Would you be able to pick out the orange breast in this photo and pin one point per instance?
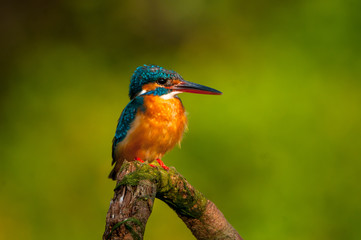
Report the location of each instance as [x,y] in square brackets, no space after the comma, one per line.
[155,131]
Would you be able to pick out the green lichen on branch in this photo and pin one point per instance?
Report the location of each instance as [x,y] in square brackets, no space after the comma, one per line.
[142,172]
[180,195]
[172,188]
[139,184]
[128,227]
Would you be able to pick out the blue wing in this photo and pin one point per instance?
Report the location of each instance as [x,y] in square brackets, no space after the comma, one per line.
[125,121]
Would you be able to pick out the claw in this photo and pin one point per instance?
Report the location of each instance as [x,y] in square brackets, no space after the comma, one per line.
[161,163]
[138,159]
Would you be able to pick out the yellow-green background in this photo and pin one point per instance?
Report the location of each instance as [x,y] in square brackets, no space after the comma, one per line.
[279,152]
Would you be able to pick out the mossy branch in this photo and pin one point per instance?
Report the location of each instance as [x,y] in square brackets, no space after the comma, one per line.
[137,186]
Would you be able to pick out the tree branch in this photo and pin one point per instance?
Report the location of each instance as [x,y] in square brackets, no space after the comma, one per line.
[137,186]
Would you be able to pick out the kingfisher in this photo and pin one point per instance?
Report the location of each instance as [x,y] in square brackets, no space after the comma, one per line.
[154,120]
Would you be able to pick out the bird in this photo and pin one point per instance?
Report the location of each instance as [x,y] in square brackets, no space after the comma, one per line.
[154,120]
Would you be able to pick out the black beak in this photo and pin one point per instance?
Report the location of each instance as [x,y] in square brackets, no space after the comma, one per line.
[185,86]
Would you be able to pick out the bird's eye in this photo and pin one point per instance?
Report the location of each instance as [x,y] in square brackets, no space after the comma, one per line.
[162,81]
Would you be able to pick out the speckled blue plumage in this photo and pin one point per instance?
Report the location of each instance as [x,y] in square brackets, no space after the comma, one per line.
[158,92]
[147,74]
[126,118]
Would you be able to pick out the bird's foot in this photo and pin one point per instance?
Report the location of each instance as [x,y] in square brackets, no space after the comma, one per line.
[161,163]
[138,159]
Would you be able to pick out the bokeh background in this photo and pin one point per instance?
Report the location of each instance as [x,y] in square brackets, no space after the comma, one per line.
[279,153]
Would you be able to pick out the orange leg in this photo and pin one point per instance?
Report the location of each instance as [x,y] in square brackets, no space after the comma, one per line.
[161,163]
[140,160]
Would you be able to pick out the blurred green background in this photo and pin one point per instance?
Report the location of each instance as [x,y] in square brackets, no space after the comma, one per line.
[279,153]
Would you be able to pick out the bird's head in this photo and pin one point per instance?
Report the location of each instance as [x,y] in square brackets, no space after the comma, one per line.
[163,82]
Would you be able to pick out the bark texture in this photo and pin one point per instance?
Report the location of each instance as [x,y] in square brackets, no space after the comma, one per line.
[137,186]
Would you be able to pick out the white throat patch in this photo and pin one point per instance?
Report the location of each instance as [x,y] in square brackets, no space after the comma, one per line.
[170,95]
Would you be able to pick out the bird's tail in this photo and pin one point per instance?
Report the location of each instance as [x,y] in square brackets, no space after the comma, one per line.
[113,174]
